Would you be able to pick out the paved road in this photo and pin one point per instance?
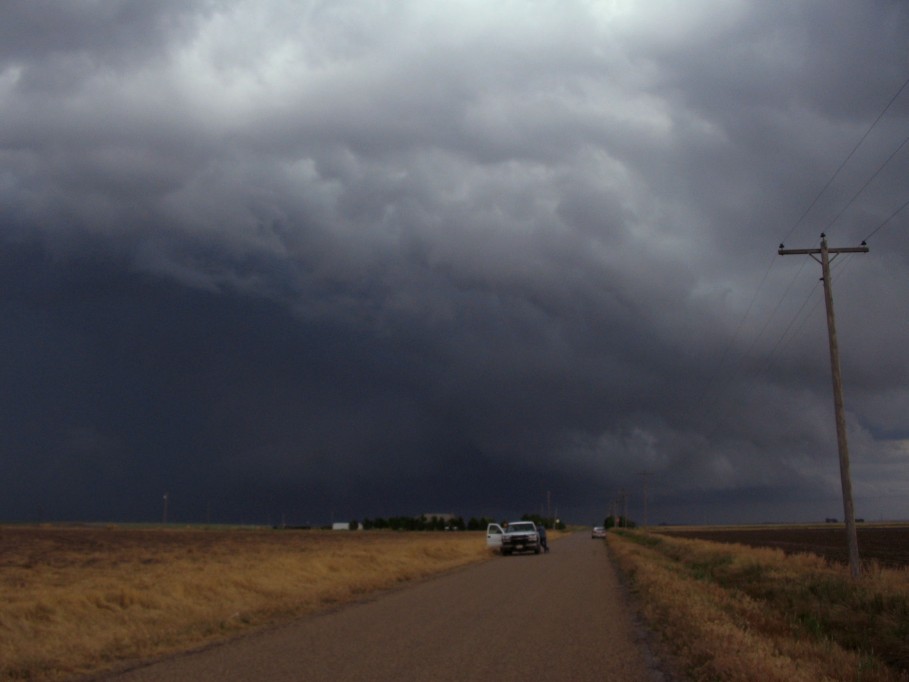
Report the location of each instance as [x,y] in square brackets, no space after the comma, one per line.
[556,616]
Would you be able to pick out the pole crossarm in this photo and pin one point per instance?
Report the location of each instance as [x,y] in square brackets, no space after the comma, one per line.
[783,251]
[842,444]
[812,252]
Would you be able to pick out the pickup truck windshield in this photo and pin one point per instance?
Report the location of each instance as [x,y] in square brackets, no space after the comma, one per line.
[521,528]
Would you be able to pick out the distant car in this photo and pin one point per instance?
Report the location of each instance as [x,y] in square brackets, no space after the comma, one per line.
[598,532]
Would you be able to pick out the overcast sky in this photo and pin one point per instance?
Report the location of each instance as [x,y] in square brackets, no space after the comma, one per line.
[314,261]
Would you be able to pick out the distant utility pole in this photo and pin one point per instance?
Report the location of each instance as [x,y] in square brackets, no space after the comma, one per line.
[623,499]
[164,515]
[645,475]
[848,509]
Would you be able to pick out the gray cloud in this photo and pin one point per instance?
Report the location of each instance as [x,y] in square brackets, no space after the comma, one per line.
[334,258]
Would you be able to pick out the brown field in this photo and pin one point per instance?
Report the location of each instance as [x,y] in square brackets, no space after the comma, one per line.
[884,544]
[730,606]
[78,600]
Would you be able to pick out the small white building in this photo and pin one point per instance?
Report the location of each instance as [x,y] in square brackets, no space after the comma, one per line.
[343,525]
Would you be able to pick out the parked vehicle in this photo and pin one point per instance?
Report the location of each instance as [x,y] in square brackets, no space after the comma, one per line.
[598,532]
[517,536]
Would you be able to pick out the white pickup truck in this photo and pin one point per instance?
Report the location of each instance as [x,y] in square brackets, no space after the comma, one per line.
[517,536]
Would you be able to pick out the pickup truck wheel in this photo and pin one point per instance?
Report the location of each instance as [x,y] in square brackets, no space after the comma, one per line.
[536,550]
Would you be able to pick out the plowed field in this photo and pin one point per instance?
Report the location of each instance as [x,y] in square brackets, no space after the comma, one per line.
[886,544]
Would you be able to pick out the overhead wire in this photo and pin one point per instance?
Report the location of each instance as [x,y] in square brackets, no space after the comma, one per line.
[839,169]
[868,182]
[779,344]
[782,342]
[758,369]
[891,217]
[846,160]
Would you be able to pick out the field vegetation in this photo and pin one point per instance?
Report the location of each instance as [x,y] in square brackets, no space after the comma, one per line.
[78,600]
[732,612]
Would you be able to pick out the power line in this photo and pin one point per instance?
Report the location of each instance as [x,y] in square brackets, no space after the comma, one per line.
[785,294]
[891,217]
[869,181]
[737,368]
[846,160]
[783,342]
[726,350]
[759,368]
[711,385]
[798,316]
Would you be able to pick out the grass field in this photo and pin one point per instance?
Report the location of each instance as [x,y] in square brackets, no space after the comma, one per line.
[731,611]
[78,600]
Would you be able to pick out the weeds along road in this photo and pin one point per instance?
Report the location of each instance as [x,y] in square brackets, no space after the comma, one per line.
[556,616]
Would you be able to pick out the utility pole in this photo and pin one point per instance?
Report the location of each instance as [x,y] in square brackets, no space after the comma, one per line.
[623,500]
[845,477]
[645,475]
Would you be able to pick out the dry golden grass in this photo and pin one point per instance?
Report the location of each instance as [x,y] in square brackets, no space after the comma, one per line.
[78,600]
[736,613]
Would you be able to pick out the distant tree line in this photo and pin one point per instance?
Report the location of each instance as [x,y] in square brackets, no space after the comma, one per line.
[423,523]
[433,523]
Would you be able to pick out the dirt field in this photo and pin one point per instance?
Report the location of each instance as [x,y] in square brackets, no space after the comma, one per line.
[886,544]
[75,544]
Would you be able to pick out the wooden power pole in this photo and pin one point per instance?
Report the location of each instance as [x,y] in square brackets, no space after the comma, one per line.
[644,475]
[842,444]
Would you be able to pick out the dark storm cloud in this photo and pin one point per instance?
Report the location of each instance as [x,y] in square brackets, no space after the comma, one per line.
[332,258]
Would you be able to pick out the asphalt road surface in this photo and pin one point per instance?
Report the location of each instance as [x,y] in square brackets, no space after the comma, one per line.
[555,616]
